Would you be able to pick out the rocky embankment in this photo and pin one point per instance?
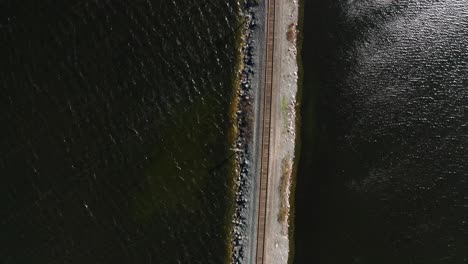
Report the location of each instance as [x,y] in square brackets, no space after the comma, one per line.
[243,144]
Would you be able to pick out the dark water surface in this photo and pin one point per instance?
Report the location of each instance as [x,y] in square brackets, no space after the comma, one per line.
[113,144]
[383,175]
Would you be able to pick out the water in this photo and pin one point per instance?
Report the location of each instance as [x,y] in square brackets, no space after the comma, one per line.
[383,172]
[115,124]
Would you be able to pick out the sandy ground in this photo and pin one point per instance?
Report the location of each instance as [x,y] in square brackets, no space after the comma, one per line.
[283,132]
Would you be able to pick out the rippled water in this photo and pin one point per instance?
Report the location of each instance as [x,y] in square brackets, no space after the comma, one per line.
[113,145]
[384,170]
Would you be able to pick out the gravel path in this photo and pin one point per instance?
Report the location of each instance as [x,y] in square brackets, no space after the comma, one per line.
[282,144]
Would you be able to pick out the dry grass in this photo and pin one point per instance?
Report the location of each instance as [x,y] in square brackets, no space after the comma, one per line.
[291,34]
[286,170]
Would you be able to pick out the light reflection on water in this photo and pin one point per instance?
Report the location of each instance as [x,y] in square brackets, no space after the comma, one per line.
[385,172]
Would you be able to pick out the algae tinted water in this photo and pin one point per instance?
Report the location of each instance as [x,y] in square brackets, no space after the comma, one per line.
[114,130]
[383,172]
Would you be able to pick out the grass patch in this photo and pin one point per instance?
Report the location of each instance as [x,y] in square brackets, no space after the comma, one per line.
[284,105]
[283,188]
[291,34]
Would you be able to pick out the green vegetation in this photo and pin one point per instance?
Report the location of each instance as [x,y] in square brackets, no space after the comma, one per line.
[284,105]
[283,188]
